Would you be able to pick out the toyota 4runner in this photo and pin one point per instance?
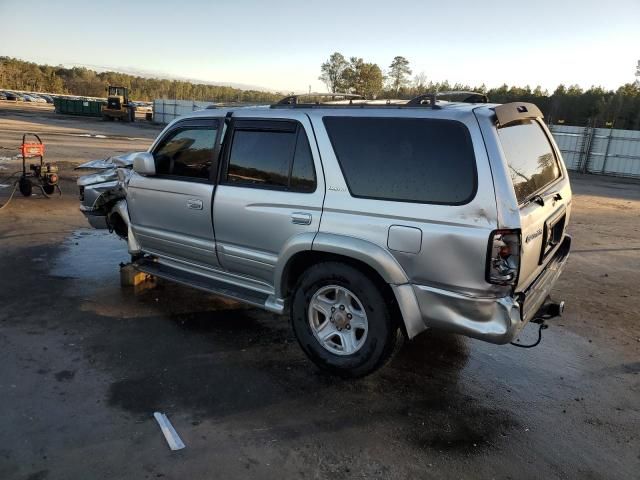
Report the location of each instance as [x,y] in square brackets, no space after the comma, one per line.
[362,220]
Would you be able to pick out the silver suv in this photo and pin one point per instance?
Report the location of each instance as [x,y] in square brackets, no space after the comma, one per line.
[362,220]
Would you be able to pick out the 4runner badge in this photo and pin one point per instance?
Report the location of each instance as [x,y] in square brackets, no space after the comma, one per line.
[533,235]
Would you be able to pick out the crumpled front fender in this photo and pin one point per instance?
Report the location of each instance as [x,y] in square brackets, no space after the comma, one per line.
[121,208]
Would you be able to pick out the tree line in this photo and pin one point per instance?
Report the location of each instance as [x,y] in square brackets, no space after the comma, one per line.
[27,76]
[570,105]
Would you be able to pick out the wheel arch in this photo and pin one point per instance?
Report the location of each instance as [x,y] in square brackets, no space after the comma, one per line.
[377,263]
[348,248]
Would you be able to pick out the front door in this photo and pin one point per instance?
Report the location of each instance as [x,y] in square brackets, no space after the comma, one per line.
[270,193]
[171,211]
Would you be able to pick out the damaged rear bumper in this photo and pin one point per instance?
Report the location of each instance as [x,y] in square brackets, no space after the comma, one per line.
[495,320]
[536,294]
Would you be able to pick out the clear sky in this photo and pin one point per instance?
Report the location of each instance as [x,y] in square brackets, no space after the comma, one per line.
[280,44]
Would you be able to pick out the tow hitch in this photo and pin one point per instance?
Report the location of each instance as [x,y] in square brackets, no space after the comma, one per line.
[548,311]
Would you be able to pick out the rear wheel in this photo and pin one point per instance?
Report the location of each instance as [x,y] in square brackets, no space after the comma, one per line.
[342,320]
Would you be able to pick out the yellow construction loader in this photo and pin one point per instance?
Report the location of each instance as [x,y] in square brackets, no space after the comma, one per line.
[118,105]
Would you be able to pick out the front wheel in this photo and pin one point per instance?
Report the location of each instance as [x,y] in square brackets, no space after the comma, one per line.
[342,320]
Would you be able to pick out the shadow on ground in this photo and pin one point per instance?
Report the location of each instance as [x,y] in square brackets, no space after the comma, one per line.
[178,350]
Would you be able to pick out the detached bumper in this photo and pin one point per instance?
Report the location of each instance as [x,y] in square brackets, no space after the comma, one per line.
[495,320]
[97,219]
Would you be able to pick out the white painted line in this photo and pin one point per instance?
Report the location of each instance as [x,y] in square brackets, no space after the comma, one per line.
[170,434]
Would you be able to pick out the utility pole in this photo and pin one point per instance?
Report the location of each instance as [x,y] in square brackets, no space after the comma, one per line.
[638,73]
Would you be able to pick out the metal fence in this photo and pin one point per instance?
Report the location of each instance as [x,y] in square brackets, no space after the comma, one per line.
[165,111]
[605,151]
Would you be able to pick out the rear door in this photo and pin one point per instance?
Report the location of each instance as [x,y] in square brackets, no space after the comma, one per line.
[270,192]
[541,187]
[171,211]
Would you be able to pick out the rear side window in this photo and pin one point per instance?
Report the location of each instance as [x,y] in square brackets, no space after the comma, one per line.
[261,158]
[405,159]
[272,155]
[532,163]
[303,175]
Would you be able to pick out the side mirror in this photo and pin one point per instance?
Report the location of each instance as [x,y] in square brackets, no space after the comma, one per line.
[144,163]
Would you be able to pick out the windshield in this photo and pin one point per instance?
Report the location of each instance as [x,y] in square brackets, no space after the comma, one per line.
[532,163]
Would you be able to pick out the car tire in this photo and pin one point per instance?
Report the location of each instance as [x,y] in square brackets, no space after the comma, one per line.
[366,349]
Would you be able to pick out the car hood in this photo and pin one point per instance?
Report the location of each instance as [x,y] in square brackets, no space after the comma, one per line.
[118,161]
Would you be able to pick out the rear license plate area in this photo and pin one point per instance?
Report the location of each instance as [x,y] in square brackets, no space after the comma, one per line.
[552,235]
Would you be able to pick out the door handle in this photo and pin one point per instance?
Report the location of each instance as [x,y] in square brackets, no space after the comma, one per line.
[541,199]
[301,218]
[194,204]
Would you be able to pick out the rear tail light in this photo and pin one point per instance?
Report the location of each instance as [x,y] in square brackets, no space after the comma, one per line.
[503,257]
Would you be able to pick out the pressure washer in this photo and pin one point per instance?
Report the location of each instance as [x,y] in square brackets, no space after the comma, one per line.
[43,175]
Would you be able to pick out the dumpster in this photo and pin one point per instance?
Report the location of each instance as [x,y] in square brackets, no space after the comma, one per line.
[86,107]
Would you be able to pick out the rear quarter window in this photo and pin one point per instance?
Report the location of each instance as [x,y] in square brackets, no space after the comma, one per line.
[405,159]
[530,158]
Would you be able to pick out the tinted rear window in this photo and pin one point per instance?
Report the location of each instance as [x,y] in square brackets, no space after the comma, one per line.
[532,163]
[261,157]
[271,154]
[405,159]
[303,175]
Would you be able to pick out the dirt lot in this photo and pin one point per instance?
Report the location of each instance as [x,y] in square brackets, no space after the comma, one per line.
[69,139]
[84,363]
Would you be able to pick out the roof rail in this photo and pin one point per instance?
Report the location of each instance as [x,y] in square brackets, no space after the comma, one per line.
[354,100]
[295,99]
[471,97]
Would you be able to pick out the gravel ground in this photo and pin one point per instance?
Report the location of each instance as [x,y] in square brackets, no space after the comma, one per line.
[84,363]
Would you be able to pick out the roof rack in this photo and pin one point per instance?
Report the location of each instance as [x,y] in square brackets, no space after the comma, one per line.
[295,99]
[353,100]
[471,97]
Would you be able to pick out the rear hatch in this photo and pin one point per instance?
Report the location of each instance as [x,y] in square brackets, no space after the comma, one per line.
[541,186]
